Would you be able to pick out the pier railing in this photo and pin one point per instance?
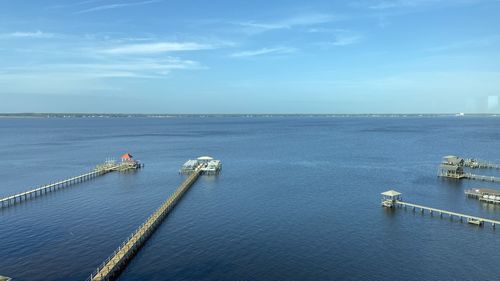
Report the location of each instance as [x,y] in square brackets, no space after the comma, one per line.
[451,214]
[480,164]
[482,178]
[112,266]
[23,196]
[98,171]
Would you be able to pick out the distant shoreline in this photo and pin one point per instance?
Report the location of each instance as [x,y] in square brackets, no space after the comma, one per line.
[138,115]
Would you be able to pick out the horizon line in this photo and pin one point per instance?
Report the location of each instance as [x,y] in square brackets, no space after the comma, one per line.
[42,114]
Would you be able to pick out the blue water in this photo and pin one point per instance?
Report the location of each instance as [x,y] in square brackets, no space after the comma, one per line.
[298,199]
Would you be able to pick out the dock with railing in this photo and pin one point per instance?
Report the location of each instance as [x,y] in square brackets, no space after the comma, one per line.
[118,260]
[5,278]
[393,199]
[484,194]
[480,164]
[453,167]
[102,169]
[481,177]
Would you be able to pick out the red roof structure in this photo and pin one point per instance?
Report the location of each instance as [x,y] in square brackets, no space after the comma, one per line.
[127,156]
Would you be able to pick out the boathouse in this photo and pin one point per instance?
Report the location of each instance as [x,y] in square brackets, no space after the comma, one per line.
[390,197]
[451,171]
[209,166]
[128,162]
[453,160]
[127,157]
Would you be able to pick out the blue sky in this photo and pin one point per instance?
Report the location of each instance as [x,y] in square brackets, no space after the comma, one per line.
[154,56]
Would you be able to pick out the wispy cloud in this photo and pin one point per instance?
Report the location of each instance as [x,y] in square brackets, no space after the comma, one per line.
[153,48]
[345,40]
[81,3]
[476,43]
[263,51]
[341,37]
[115,6]
[30,34]
[288,23]
[400,4]
[140,68]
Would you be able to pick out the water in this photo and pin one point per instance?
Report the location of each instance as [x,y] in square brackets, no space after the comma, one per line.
[298,199]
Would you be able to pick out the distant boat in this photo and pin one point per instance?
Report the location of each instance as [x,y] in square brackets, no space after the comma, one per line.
[460,114]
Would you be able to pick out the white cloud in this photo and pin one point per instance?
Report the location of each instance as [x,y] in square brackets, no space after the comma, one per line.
[30,34]
[263,51]
[345,40]
[476,43]
[140,68]
[400,4]
[153,48]
[114,6]
[342,38]
[302,20]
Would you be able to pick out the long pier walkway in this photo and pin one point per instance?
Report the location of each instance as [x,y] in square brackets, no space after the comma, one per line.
[470,219]
[23,196]
[481,177]
[113,265]
[480,164]
[108,166]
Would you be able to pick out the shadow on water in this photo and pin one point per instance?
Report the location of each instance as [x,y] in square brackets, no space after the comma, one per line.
[451,183]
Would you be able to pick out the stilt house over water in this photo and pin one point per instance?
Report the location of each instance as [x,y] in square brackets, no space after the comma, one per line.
[128,161]
[452,167]
[390,197]
[453,160]
[209,166]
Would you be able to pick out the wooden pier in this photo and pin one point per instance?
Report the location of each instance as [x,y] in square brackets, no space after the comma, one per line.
[395,200]
[484,194]
[481,177]
[453,167]
[113,265]
[480,164]
[5,278]
[108,166]
[23,196]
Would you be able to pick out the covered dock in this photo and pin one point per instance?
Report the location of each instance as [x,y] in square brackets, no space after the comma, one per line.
[453,160]
[207,164]
[451,171]
[484,194]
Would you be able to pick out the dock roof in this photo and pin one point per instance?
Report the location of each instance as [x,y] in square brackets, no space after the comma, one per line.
[391,193]
[127,156]
[205,158]
[487,191]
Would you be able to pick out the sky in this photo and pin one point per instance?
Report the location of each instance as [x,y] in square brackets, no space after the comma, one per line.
[172,56]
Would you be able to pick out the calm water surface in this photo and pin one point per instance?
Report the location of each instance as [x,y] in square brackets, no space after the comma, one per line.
[298,199]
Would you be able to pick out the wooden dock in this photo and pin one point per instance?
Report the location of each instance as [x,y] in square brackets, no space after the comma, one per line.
[461,217]
[5,278]
[484,194]
[392,198]
[114,264]
[37,192]
[481,177]
[480,164]
[453,167]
